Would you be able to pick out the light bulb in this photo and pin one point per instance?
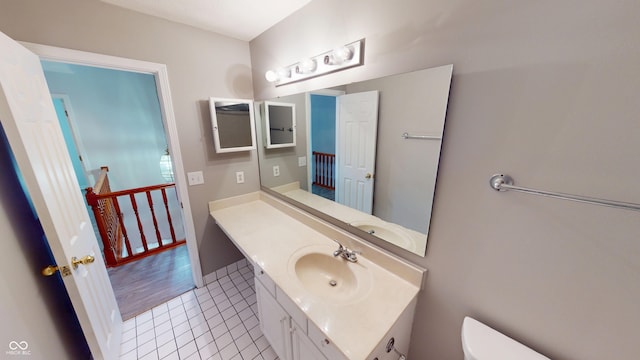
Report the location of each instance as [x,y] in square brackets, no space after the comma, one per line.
[283,73]
[307,66]
[271,76]
[342,54]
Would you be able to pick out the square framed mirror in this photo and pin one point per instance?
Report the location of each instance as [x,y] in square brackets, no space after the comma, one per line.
[280,124]
[233,124]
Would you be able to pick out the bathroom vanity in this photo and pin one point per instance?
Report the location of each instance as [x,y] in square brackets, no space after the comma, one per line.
[312,304]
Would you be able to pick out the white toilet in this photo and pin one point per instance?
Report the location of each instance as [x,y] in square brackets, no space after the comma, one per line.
[480,342]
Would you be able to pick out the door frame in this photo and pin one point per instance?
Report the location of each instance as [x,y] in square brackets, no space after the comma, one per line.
[77,140]
[159,71]
[307,96]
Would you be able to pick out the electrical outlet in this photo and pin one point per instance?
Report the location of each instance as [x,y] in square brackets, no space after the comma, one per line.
[302,161]
[195,178]
[276,170]
[240,177]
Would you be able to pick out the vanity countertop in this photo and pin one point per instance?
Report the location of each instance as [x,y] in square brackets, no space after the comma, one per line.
[267,233]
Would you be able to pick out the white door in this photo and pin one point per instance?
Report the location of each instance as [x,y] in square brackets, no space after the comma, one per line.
[30,122]
[356,132]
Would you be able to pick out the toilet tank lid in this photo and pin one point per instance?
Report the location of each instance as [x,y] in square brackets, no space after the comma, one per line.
[481,342]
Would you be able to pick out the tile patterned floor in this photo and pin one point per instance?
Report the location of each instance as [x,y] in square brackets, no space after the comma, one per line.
[217,322]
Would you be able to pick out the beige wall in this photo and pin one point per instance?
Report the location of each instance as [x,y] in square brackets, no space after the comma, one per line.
[200,65]
[545,91]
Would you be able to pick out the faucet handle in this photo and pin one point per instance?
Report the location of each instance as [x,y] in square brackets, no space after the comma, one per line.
[352,255]
[340,251]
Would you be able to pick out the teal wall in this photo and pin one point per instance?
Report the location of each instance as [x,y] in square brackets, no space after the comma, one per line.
[118,119]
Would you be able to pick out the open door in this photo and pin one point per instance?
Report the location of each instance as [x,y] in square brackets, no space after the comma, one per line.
[33,131]
[356,132]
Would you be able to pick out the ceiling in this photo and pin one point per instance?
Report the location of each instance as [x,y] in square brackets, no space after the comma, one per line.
[240,19]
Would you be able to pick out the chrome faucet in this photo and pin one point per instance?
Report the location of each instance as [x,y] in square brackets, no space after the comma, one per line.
[349,255]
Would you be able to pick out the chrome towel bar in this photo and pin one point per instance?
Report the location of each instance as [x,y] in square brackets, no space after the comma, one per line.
[501,182]
[423,137]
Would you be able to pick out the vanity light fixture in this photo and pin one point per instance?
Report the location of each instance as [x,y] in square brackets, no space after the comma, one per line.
[341,58]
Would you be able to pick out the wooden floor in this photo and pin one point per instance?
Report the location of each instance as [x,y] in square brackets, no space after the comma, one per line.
[143,284]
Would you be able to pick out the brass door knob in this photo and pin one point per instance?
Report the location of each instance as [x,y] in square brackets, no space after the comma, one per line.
[52,269]
[368,176]
[83,260]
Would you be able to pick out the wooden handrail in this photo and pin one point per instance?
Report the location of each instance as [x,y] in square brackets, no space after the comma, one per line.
[111,225]
[325,170]
[136,190]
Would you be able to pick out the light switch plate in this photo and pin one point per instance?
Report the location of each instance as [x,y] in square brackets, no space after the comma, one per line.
[302,161]
[195,178]
[240,177]
[276,170]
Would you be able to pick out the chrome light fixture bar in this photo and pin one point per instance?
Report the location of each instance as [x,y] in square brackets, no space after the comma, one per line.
[339,59]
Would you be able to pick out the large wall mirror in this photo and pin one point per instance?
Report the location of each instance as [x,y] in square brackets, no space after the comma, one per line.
[367,154]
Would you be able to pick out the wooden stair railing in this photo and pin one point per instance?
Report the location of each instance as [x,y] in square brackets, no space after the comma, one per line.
[325,170]
[110,222]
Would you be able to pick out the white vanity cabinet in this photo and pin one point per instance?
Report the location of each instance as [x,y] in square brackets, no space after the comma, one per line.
[285,326]
[299,322]
[274,322]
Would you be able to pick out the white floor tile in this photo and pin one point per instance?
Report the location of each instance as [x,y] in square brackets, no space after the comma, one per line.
[129,324]
[219,330]
[187,349]
[223,341]
[164,337]
[147,347]
[131,355]
[262,343]
[194,356]
[160,309]
[233,321]
[204,340]
[127,346]
[250,351]
[181,328]
[150,356]
[244,341]
[161,318]
[184,339]
[167,349]
[228,352]
[237,331]
[143,318]
[208,351]
[146,337]
[162,328]
[215,321]
[196,324]
[173,356]
[142,328]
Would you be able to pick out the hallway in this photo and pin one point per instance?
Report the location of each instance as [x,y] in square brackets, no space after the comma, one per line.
[148,282]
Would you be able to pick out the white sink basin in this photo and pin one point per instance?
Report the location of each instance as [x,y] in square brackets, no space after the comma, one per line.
[386,232]
[328,277]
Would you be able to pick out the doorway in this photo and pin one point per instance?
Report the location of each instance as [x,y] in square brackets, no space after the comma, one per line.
[159,74]
[342,145]
[117,124]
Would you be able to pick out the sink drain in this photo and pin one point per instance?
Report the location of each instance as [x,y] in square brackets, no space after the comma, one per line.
[333,283]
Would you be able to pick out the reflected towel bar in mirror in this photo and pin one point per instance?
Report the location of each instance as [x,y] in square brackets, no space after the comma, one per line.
[501,182]
[423,137]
